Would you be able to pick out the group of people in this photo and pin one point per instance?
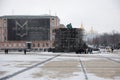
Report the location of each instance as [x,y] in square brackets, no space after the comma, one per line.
[6,51]
[109,49]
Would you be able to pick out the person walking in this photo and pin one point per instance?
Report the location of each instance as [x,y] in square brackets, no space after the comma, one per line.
[25,51]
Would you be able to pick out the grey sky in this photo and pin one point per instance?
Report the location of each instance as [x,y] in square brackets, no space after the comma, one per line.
[102,15]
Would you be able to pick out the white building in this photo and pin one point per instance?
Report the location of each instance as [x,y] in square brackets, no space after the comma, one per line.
[89,35]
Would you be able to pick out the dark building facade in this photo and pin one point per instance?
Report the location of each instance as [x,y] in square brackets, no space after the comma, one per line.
[28,29]
[68,39]
[16,31]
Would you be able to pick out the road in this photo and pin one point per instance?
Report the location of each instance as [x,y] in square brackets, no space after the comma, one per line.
[59,66]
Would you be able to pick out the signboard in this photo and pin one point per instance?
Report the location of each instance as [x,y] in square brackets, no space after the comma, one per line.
[28,29]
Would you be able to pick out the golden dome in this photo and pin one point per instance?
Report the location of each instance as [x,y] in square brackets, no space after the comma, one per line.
[81,27]
[91,30]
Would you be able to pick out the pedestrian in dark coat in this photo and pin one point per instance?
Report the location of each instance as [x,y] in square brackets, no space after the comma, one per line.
[25,51]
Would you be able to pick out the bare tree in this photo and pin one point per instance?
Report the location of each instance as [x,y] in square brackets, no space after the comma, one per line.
[111,39]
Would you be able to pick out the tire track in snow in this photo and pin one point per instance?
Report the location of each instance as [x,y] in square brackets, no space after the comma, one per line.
[110,59]
[83,69]
[28,68]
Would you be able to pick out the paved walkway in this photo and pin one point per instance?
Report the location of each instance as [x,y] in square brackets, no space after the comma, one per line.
[60,67]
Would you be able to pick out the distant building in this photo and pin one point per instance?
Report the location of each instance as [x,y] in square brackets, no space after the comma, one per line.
[68,39]
[84,32]
[89,35]
[16,31]
[1,31]
[61,26]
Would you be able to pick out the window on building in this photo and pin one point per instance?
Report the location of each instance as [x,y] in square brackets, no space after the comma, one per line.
[14,45]
[24,45]
[38,45]
[33,45]
[43,45]
[10,45]
[19,44]
[52,18]
[47,44]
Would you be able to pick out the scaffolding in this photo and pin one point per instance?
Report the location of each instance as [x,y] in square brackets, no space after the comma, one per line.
[68,39]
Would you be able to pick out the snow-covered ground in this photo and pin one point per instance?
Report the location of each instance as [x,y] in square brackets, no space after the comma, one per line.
[67,66]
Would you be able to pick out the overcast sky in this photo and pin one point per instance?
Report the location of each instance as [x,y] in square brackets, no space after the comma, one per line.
[102,15]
